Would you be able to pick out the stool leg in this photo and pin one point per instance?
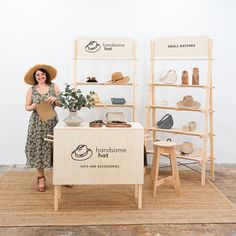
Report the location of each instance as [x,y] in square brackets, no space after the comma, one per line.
[156,169]
[175,172]
[153,170]
[154,162]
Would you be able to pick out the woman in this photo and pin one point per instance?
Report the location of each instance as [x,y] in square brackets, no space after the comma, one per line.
[39,152]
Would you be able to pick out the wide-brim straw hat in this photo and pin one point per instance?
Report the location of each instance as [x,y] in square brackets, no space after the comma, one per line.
[29,77]
[188,102]
[118,78]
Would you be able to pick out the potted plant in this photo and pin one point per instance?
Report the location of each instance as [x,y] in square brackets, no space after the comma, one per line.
[73,100]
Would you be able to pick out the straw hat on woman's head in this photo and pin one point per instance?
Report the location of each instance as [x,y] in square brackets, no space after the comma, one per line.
[29,77]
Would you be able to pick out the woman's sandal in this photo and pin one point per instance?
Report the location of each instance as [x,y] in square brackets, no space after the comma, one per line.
[43,188]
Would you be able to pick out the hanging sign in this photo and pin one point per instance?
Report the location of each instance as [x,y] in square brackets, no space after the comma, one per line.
[105,48]
[177,47]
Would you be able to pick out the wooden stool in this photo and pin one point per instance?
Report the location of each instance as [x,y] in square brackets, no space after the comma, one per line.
[165,147]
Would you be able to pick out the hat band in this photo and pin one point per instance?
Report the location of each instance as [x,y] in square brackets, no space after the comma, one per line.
[118,79]
[81,155]
[187,103]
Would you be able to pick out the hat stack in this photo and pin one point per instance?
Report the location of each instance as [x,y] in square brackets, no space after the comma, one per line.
[195,76]
[184,77]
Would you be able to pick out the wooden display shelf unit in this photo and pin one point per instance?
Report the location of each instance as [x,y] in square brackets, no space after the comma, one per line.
[200,49]
[104,50]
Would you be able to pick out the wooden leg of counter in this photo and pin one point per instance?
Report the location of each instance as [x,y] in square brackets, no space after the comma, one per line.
[59,192]
[56,196]
[140,196]
[136,190]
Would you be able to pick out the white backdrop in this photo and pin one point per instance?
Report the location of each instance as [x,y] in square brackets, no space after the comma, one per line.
[43,31]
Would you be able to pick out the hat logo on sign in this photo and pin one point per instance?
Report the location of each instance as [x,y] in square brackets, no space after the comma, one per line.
[81,153]
[92,46]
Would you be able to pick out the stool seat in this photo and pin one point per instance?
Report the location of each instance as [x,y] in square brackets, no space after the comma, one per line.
[164,143]
[161,147]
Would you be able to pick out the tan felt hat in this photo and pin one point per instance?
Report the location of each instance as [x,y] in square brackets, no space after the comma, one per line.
[188,102]
[29,77]
[118,78]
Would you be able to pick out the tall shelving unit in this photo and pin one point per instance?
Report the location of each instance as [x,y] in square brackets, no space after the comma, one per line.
[183,49]
[108,49]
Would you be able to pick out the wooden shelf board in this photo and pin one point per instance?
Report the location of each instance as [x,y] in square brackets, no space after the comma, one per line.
[103,84]
[181,58]
[105,58]
[179,85]
[112,105]
[192,158]
[177,131]
[177,108]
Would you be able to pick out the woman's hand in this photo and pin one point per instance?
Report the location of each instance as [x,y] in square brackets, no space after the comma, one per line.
[32,106]
[51,99]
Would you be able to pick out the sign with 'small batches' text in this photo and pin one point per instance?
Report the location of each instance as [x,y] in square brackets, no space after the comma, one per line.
[177,47]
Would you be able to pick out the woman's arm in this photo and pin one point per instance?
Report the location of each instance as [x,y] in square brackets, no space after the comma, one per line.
[29,105]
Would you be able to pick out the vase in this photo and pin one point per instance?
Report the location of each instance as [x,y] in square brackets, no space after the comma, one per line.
[73,119]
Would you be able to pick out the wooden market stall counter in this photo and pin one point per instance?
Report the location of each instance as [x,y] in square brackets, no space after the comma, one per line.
[84,155]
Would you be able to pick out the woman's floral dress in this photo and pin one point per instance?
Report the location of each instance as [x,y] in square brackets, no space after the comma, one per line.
[38,152]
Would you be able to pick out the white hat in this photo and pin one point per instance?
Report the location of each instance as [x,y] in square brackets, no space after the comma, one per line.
[168,77]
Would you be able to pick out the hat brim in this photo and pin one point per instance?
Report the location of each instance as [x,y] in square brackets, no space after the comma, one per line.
[194,105]
[87,156]
[124,80]
[97,48]
[29,78]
